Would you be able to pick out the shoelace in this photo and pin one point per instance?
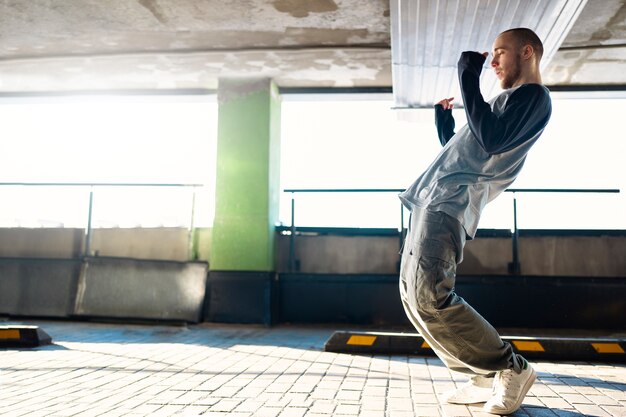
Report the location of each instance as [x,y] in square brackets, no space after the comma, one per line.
[504,379]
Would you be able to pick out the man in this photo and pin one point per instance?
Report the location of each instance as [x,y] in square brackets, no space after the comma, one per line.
[475,165]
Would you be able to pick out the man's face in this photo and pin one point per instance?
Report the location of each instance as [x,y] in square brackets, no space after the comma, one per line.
[507,60]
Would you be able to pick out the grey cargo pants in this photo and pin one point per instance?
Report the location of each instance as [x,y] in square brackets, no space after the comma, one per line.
[461,337]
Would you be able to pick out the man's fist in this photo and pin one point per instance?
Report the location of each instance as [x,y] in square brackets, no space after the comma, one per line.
[446,103]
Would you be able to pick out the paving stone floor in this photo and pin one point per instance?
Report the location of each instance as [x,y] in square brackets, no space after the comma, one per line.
[97,369]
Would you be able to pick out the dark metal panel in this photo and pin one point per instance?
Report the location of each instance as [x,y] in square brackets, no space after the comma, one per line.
[357,299]
[505,301]
[241,297]
[537,301]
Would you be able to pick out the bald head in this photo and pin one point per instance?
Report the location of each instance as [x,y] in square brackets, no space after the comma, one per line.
[525,36]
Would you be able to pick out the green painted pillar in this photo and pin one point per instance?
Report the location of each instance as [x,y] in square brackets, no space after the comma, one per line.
[248,176]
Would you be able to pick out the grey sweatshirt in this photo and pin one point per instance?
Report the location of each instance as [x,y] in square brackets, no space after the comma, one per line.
[485,156]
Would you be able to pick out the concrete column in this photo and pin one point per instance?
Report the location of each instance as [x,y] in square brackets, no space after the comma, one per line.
[246,198]
[247,188]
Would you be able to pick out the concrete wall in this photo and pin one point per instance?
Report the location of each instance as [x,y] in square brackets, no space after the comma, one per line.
[38,287]
[487,256]
[202,244]
[355,276]
[41,243]
[585,256]
[102,287]
[170,244]
[574,255]
[590,256]
[128,288]
[342,254]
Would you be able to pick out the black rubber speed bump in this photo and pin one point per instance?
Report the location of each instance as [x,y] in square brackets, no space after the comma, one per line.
[548,348]
[23,336]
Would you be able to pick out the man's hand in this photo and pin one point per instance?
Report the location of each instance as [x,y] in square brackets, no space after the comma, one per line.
[473,60]
[446,103]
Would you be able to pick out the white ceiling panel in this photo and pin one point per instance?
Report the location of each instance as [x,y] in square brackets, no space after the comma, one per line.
[428,36]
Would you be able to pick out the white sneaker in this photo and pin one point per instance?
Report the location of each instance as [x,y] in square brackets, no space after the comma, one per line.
[477,390]
[509,390]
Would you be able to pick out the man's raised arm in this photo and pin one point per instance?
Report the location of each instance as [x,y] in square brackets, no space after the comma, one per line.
[527,110]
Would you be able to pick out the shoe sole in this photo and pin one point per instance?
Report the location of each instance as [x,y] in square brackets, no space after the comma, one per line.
[529,383]
[468,401]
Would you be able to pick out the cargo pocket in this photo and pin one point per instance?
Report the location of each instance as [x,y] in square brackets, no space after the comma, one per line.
[408,277]
[436,272]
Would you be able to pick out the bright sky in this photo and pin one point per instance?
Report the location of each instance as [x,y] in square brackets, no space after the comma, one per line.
[115,139]
[325,144]
[362,144]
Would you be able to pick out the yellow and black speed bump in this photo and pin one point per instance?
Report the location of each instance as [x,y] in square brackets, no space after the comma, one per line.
[23,336]
[549,348]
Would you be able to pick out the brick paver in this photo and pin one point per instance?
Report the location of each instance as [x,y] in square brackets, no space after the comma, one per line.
[218,370]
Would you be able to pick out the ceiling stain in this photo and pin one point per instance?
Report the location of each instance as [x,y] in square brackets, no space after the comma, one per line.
[581,58]
[386,12]
[209,41]
[331,36]
[605,33]
[153,7]
[298,8]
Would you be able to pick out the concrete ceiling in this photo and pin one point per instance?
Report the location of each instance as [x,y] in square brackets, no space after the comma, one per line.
[86,45]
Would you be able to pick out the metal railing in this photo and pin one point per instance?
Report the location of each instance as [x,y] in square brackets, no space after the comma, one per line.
[92,185]
[514,266]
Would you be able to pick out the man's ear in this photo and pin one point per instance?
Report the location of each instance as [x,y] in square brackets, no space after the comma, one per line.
[527,51]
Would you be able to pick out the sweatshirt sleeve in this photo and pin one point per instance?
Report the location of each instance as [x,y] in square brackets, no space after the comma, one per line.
[526,113]
[445,124]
